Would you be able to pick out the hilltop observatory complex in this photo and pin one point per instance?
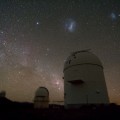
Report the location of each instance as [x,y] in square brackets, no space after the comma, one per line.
[84,81]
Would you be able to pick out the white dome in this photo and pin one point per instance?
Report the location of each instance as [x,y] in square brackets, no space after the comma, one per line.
[42,92]
[82,57]
[84,81]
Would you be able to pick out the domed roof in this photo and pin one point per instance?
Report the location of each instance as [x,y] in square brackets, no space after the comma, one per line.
[82,57]
[42,92]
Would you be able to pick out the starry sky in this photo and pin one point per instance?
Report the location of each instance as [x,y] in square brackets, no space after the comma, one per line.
[36,36]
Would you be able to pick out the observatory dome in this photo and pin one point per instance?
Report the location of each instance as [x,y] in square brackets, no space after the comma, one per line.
[41,99]
[42,92]
[84,81]
[82,57]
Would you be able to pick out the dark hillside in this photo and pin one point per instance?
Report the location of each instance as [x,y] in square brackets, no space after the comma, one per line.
[25,111]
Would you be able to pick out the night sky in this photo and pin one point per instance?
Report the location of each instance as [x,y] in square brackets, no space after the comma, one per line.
[36,36]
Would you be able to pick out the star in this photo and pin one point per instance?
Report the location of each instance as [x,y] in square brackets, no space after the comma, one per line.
[37,23]
[114,89]
[4,43]
[1,32]
[19,72]
[18,20]
[48,49]
[57,83]
[46,54]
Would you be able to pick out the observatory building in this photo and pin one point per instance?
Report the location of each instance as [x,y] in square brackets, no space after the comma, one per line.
[41,99]
[84,81]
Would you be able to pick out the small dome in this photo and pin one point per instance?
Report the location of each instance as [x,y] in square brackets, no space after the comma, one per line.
[42,92]
[82,57]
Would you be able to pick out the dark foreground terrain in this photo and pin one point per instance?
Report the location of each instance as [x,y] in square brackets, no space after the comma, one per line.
[24,111]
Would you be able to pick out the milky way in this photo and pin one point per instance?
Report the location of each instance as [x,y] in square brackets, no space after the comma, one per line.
[37,36]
